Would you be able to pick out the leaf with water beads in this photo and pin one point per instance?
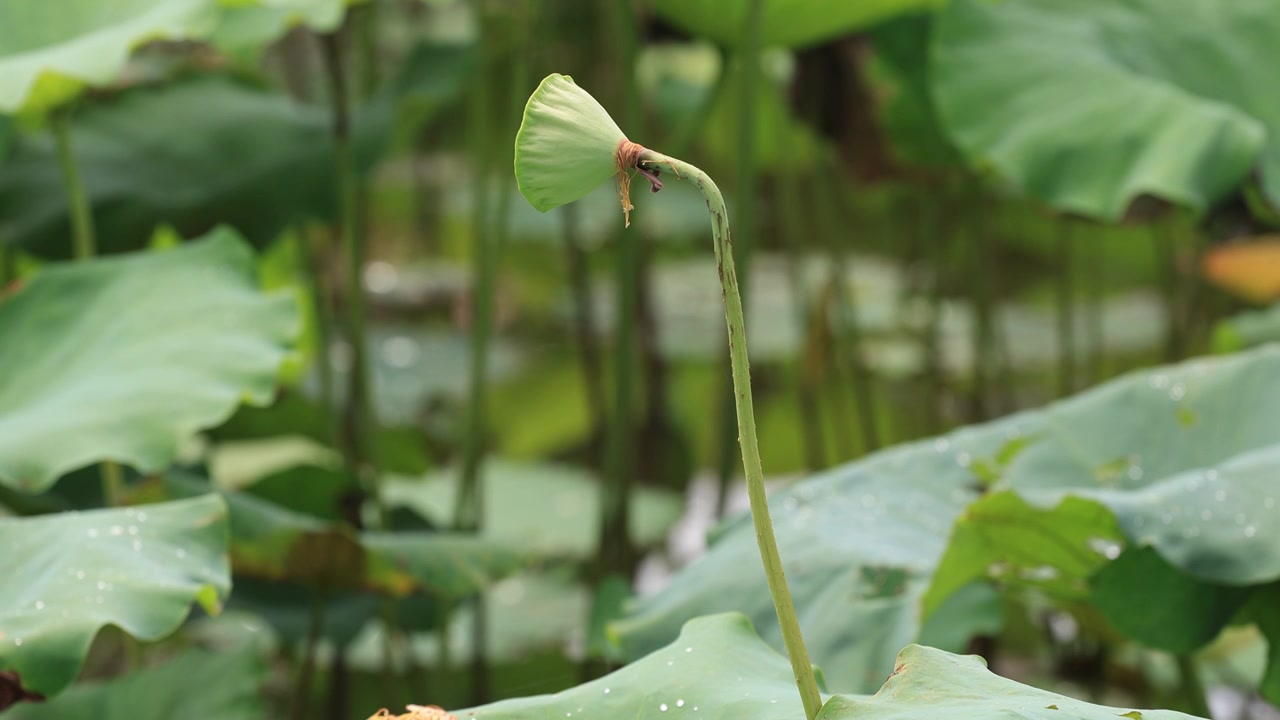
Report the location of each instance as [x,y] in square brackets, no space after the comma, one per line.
[68,575]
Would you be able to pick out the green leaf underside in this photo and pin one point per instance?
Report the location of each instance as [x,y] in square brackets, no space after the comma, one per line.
[566,146]
[68,575]
[1087,105]
[789,23]
[211,686]
[124,358]
[1139,461]
[49,50]
[1188,614]
[718,668]
[271,542]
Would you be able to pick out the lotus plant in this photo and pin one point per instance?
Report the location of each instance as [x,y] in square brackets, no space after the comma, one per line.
[567,146]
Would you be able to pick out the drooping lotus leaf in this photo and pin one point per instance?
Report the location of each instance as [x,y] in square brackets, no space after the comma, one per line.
[70,574]
[567,144]
[719,668]
[216,686]
[125,358]
[1087,105]
[49,51]
[860,544]
[790,23]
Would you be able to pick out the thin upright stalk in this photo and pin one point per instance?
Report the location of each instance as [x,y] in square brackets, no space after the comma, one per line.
[85,247]
[741,372]
[82,232]
[301,706]
[1192,687]
[615,526]
[1095,288]
[810,322]
[1066,307]
[848,323]
[1162,243]
[8,265]
[983,308]
[748,73]
[357,416]
[468,508]
[468,511]
[584,322]
[322,310]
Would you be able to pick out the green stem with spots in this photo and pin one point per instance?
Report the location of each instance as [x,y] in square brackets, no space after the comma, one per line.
[750,444]
[748,73]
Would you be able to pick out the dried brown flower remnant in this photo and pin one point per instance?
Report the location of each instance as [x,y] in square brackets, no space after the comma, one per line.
[628,159]
[416,712]
[628,156]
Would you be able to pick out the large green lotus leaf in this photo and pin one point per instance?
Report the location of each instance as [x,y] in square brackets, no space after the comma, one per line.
[124,358]
[717,667]
[909,113]
[1156,487]
[550,510]
[790,23]
[929,683]
[49,51]
[1088,104]
[175,140]
[70,574]
[246,26]
[216,686]
[179,135]
[859,543]
[271,542]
